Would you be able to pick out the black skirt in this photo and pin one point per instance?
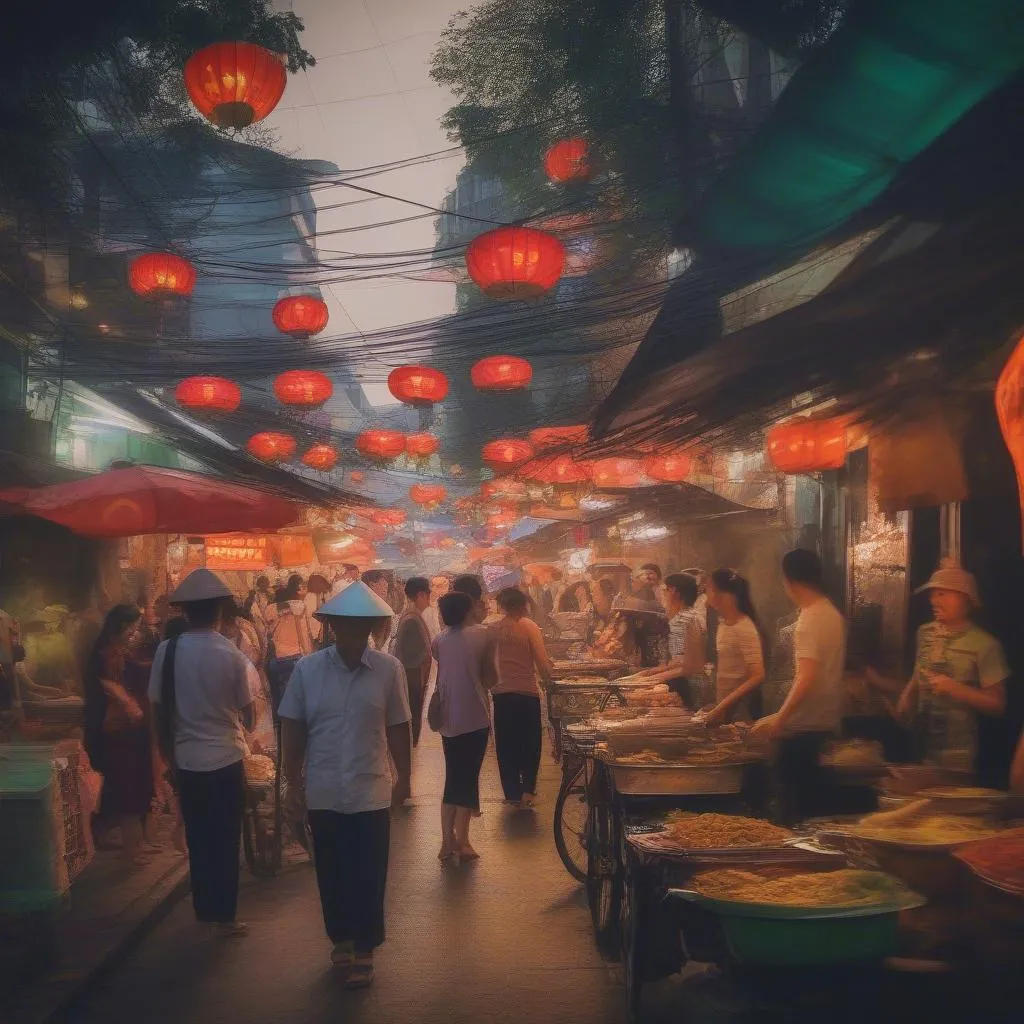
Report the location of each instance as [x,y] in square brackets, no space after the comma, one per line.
[463,759]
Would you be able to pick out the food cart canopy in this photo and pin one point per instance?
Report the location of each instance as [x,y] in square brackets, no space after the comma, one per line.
[144,499]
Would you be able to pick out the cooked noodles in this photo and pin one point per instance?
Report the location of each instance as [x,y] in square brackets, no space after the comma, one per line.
[720,831]
[849,887]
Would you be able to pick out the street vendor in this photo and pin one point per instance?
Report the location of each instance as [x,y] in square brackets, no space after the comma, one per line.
[640,631]
[345,719]
[960,672]
[684,671]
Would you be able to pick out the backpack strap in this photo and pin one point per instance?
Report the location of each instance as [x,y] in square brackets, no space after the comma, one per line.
[168,706]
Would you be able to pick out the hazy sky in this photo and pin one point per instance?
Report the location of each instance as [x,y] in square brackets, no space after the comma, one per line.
[370,101]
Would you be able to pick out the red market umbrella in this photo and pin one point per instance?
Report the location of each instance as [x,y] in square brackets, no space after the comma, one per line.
[144,499]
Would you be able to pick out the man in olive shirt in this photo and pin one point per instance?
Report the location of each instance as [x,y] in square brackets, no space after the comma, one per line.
[412,648]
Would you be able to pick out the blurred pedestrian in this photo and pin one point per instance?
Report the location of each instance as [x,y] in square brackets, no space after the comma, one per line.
[412,648]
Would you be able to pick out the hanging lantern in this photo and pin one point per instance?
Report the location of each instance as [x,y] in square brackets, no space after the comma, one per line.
[208,394]
[357,476]
[422,446]
[418,385]
[506,453]
[501,373]
[1010,410]
[807,445]
[669,469]
[427,495]
[515,263]
[568,160]
[616,472]
[161,275]
[322,457]
[303,389]
[382,445]
[557,437]
[300,316]
[271,447]
[562,469]
[235,84]
[385,516]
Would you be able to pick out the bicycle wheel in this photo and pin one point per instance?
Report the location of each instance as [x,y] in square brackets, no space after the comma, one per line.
[604,872]
[570,822]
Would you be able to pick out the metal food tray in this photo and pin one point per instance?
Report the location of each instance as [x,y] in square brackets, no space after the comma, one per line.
[677,779]
[567,699]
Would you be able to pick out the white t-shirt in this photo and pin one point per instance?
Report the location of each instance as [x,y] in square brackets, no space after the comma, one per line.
[739,654]
[347,715]
[821,637]
[212,685]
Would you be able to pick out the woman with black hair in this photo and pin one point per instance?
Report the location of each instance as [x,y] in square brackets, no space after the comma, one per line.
[117,736]
[290,632]
[741,648]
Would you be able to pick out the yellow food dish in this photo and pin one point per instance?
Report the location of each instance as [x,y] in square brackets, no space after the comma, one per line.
[720,831]
[849,887]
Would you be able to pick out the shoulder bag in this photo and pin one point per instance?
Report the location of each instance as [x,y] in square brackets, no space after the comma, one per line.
[165,716]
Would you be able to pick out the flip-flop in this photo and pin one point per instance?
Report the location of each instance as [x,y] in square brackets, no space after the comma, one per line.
[342,958]
[361,973]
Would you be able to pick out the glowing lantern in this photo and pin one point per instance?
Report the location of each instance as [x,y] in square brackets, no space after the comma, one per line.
[506,453]
[322,457]
[235,84]
[501,373]
[556,437]
[357,476]
[305,389]
[161,275]
[563,469]
[1010,410]
[208,394]
[669,469]
[300,315]
[386,516]
[503,488]
[616,472]
[418,385]
[427,495]
[808,445]
[568,160]
[515,263]
[422,446]
[382,445]
[271,446]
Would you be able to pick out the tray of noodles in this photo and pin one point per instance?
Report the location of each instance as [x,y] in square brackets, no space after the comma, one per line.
[934,832]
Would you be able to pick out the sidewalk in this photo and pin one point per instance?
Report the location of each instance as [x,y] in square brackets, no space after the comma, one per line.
[105,913]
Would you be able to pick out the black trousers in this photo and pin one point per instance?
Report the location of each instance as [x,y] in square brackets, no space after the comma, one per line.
[463,759]
[805,789]
[350,852]
[517,735]
[212,804]
[417,691]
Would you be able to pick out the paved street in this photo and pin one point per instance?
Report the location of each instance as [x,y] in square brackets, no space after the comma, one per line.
[505,939]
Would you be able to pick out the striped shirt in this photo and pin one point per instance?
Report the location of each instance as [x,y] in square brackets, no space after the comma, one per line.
[686,642]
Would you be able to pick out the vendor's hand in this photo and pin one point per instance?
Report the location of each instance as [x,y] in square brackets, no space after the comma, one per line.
[943,684]
[766,728]
[905,705]
[713,716]
[295,803]
[400,793]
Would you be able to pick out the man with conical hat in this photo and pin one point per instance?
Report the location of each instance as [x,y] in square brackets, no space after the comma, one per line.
[345,720]
[202,705]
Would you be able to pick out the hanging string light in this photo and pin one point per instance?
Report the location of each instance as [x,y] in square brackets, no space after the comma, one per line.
[161,275]
[271,446]
[418,385]
[208,394]
[300,316]
[234,84]
[515,263]
[304,389]
[501,373]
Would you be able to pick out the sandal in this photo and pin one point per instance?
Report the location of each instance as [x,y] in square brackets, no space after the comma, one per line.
[361,973]
[343,956]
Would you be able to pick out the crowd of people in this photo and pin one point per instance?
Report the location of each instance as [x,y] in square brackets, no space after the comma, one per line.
[335,675]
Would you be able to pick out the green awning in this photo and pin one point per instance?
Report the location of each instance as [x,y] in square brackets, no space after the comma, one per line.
[888,84]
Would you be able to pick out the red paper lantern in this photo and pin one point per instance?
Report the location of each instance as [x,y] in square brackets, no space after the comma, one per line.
[568,160]
[300,315]
[515,263]
[422,446]
[357,476]
[501,373]
[385,516]
[669,469]
[381,444]
[304,389]
[235,84]
[562,469]
[557,437]
[418,385]
[322,457]
[616,472]
[271,446]
[160,275]
[808,445]
[506,453]
[427,495]
[208,394]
